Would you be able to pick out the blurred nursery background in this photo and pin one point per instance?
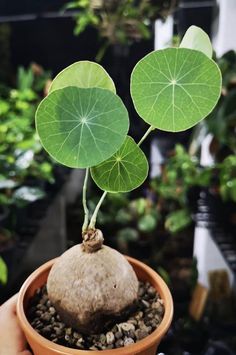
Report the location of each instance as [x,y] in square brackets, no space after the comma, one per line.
[182,221]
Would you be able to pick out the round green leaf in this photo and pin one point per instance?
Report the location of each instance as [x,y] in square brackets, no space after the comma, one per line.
[83,74]
[196,38]
[175,88]
[81,128]
[124,171]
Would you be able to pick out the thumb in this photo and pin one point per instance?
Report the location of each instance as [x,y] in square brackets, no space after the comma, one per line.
[25,352]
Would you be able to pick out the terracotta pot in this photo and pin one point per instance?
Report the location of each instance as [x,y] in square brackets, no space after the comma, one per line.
[42,346]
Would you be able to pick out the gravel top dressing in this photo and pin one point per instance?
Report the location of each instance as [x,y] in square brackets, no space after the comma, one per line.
[146,318]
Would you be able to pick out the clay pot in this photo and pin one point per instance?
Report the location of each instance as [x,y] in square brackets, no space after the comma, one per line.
[42,346]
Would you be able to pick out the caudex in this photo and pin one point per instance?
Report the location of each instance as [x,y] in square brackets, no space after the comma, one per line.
[82,123]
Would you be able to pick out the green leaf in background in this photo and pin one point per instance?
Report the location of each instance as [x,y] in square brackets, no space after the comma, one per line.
[5,200]
[178,220]
[139,206]
[3,272]
[122,217]
[196,38]
[83,74]
[175,88]
[165,275]
[81,127]
[25,78]
[128,234]
[124,171]
[147,223]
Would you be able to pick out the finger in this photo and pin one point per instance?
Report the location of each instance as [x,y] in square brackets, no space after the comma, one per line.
[25,352]
[11,304]
[22,342]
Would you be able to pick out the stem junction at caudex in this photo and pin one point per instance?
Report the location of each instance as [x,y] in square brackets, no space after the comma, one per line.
[92,240]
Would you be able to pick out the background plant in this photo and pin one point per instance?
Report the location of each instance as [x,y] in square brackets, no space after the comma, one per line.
[180,174]
[21,154]
[119,22]
[221,123]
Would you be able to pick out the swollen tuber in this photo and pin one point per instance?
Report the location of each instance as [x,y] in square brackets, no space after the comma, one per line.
[91,285]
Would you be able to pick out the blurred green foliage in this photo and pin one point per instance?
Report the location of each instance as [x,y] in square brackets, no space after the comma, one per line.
[21,155]
[119,21]
[3,272]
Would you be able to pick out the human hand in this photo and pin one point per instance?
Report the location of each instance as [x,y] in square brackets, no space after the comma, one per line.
[12,339]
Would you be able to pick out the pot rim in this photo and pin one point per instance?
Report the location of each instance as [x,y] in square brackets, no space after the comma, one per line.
[131,349]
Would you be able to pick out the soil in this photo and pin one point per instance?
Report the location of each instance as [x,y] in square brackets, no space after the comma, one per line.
[146,318]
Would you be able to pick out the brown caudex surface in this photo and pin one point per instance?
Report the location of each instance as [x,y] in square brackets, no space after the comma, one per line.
[89,289]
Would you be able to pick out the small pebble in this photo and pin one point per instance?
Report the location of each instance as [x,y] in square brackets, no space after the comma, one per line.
[103,339]
[52,310]
[131,334]
[57,330]
[48,304]
[52,336]
[79,345]
[126,327]
[67,337]
[118,334]
[69,331]
[114,329]
[119,343]
[128,341]
[158,306]
[132,321]
[110,338]
[145,303]
[151,291]
[141,333]
[76,335]
[93,348]
[139,315]
[46,317]
[110,346]
[141,291]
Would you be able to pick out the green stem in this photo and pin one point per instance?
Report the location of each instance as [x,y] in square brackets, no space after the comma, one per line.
[101,52]
[95,213]
[86,211]
[150,129]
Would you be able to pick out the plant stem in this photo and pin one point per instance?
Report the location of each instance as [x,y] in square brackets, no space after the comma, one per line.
[150,129]
[95,213]
[86,211]
[101,52]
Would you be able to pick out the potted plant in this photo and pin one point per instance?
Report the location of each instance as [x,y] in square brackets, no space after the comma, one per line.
[82,123]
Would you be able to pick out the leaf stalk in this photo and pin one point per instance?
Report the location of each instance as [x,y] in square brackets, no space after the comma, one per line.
[150,129]
[86,211]
[95,213]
